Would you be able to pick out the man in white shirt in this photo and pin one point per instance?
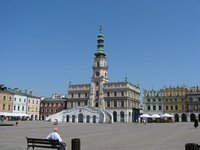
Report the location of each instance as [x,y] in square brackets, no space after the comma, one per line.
[55,136]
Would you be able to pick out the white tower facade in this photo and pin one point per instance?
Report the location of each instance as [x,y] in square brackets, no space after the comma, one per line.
[100,75]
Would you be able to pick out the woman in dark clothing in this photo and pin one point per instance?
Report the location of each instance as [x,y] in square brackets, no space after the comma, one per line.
[196,123]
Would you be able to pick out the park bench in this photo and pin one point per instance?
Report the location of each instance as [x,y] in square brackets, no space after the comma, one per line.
[43,143]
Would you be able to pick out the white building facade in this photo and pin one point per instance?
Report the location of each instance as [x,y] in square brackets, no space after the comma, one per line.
[19,102]
[101,101]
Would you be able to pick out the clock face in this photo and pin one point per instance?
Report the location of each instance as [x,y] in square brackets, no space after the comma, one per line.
[97,73]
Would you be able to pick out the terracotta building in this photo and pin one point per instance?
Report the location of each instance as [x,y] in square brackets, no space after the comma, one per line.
[51,105]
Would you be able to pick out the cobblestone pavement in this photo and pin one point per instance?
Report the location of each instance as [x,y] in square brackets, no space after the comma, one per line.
[116,136]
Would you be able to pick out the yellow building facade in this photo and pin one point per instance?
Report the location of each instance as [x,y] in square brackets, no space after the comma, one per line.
[174,99]
[6,101]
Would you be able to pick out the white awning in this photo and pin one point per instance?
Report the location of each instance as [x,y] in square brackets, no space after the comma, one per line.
[9,114]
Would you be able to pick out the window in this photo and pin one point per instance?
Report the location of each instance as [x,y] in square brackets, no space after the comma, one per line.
[191,100]
[108,94]
[176,107]
[24,100]
[97,83]
[122,103]
[171,107]
[154,100]
[115,93]
[19,99]
[166,100]
[159,100]
[97,93]
[72,95]
[72,104]
[167,107]
[85,94]
[154,107]
[160,107]
[8,107]
[79,95]
[122,93]
[97,64]
[108,104]
[183,107]
[18,108]
[148,100]
[10,98]
[115,103]
[15,99]
[170,99]
[148,107]
[22,108]
[4,98]
[176,100]
[14,108]
[79,103]
[4,106]
[36,101]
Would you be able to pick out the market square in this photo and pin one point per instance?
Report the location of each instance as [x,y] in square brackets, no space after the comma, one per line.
[116,136]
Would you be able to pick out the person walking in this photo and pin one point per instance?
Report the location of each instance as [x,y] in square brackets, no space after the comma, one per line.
[55,136]
[196,123]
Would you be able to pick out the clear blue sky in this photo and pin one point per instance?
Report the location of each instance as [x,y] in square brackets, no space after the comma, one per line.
[45,44]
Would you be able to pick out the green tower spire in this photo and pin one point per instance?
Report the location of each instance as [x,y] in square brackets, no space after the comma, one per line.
[100,45]
[126,79]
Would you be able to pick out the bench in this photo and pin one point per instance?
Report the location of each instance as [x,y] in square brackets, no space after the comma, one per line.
[43,143]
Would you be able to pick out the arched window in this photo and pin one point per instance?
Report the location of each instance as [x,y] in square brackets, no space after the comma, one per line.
[67,118]
[31,117]
[192,117]
[73,118]
[121,116]
[184,118]
[94,119]
[176,117]
[80,118]
[88,119]
[114,116]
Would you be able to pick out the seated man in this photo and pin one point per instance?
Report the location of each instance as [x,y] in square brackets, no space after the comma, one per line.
[55,136]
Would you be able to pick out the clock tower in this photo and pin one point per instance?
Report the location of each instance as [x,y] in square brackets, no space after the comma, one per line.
[99,76]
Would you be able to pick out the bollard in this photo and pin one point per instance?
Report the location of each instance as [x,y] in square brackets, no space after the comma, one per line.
[191,146]
[76,144]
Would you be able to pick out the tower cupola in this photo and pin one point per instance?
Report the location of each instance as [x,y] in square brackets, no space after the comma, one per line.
[100,46]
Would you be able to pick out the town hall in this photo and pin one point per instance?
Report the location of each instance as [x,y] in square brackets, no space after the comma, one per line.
[100,101]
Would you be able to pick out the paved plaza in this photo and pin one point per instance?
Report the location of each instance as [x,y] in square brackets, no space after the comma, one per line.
[116,136]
